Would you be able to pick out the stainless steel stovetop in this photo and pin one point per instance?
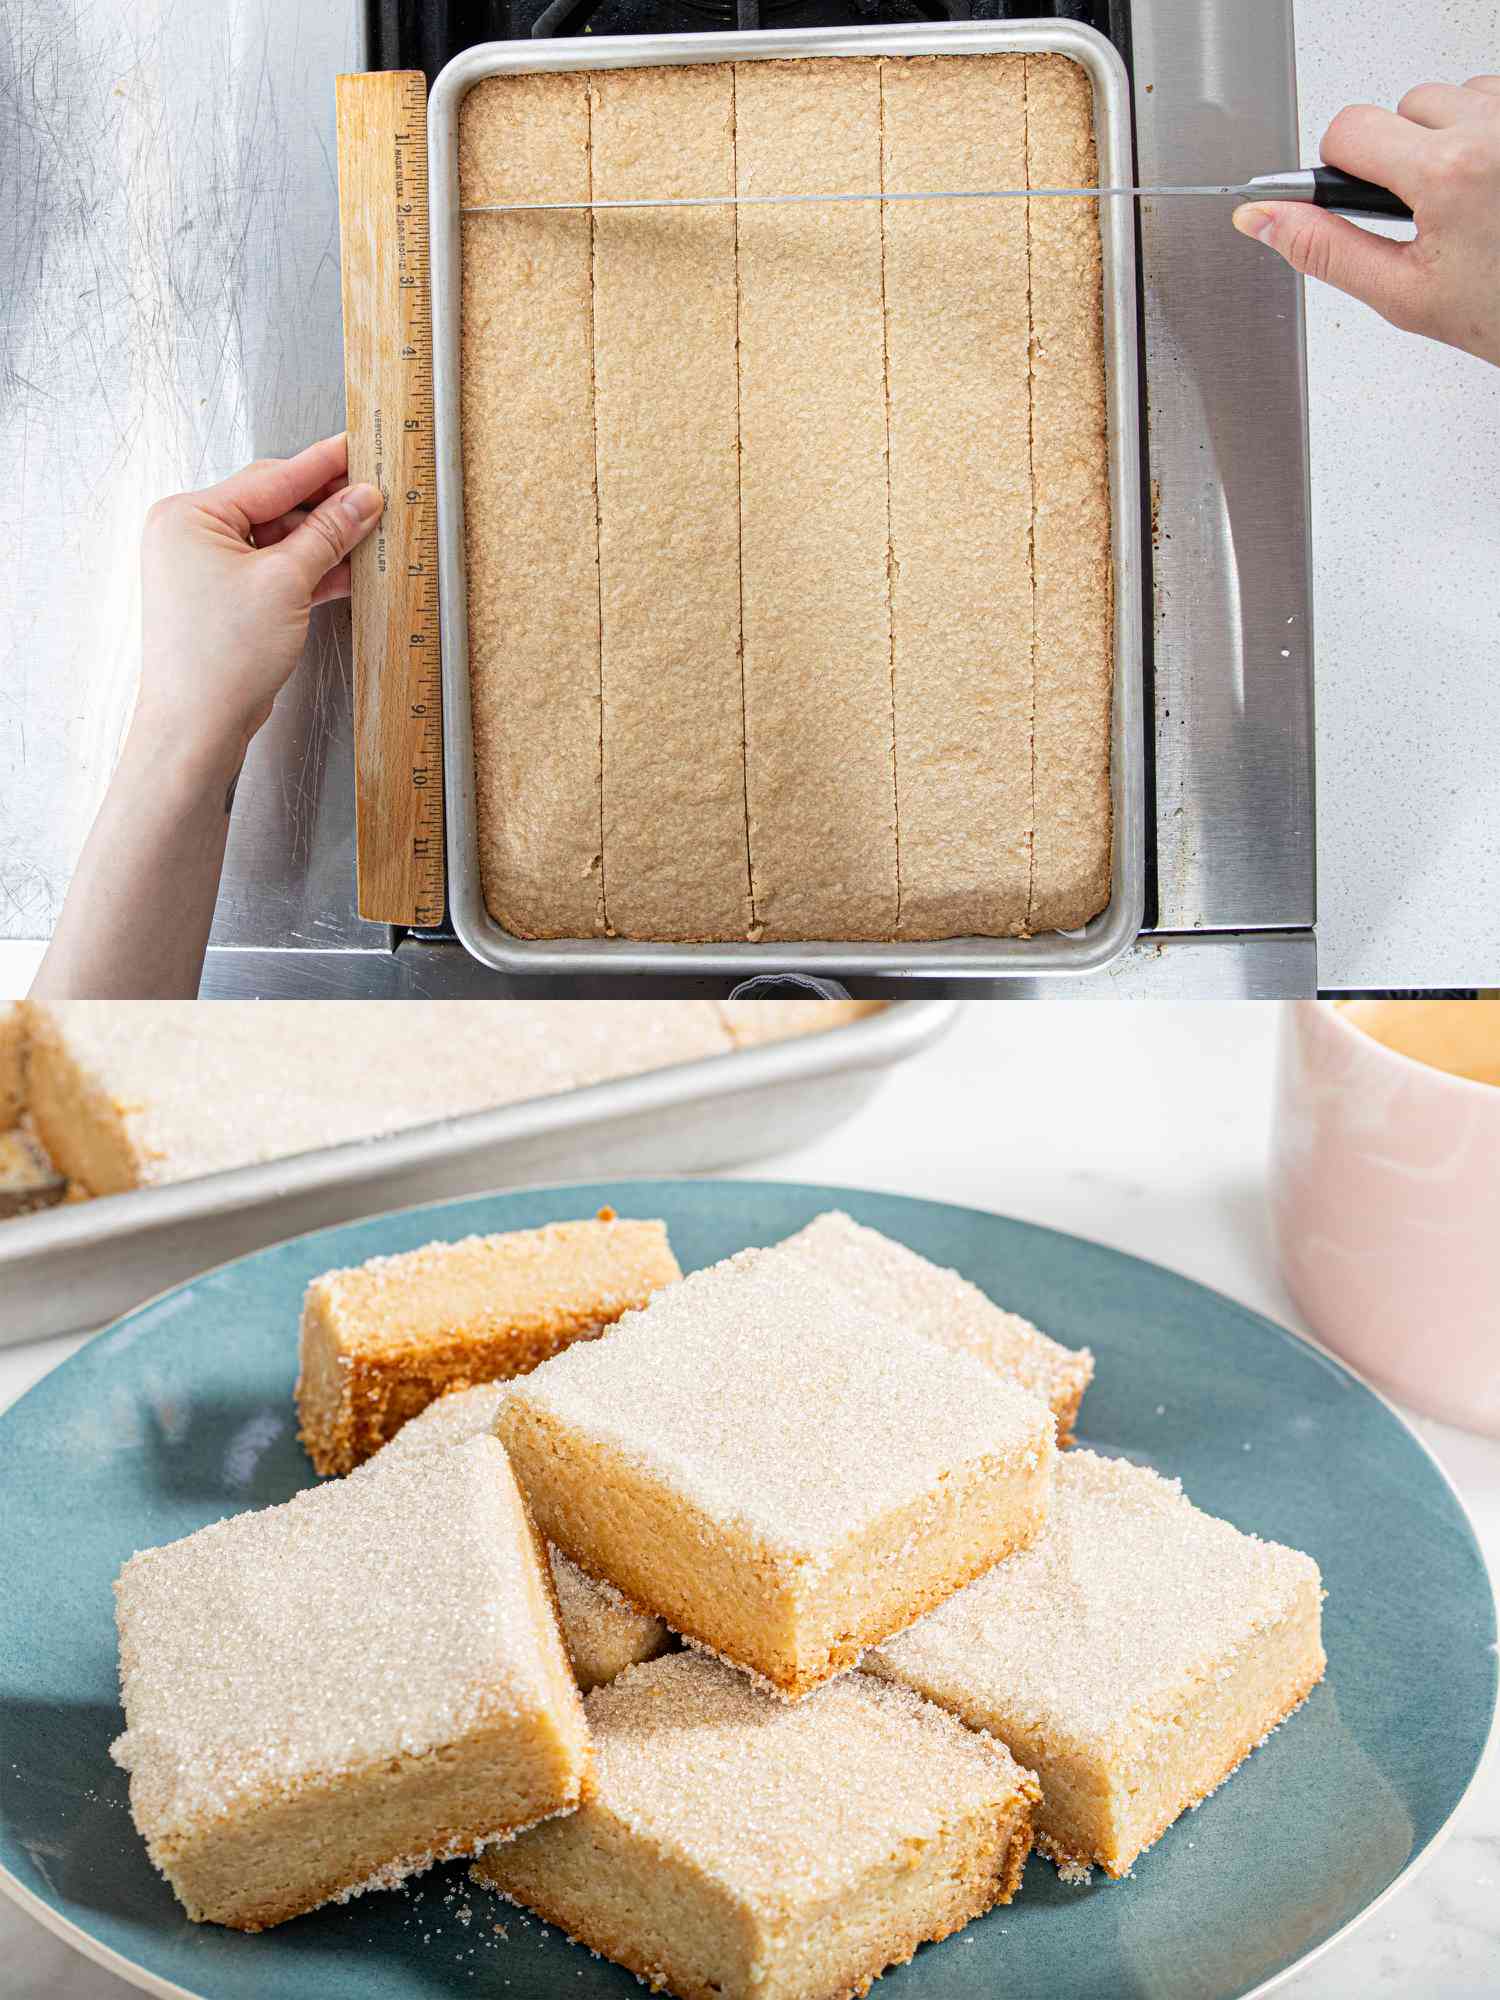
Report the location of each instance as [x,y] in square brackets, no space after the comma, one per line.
[169,308]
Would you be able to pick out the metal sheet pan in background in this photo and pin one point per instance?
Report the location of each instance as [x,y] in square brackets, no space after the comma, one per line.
[77,1267]
[1115,930]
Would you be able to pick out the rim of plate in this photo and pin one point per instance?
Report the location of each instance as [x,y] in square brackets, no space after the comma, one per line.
[145,1980]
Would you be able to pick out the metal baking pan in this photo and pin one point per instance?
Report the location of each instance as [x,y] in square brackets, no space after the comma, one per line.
[76,1267]
[1115,930]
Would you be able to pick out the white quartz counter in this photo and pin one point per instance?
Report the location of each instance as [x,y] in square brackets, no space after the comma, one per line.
[1406,568]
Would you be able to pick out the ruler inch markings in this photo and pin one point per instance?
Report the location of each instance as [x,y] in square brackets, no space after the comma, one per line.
[388,371]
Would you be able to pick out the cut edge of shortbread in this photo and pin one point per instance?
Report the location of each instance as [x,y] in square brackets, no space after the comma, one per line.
[734,1845]
[749,1544]
[13,1039]
[1133,1670]
[372,1360]
[89,1133]
[602,1632]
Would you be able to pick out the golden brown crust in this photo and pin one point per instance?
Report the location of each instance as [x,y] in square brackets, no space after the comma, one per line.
[382,1342]
[383,1390]
[86,1132]
[1017,1853]
[12,1065]
[842,1658]
[1066,1407]
[839,1659]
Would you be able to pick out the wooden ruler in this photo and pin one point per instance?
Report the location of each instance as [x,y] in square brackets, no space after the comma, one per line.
[398,713]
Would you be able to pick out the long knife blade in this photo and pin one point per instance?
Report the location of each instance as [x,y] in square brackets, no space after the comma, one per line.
[1325,187]
[790,200]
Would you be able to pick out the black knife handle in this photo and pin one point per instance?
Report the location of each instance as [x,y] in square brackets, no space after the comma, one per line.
[1351,196]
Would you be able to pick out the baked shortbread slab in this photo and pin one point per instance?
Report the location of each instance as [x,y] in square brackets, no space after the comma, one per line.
[741,1848]
[326,1696]
[781,1476]
[603,1634]
[381,1341]
[941,1305]
[1132,1657]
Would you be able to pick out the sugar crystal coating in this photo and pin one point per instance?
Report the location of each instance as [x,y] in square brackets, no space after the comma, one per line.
[598,1625]
[768,1398]
[941,1305]
[358,1622]
[785,1804]
[1127,1590]
[452,1419]
[524,1283]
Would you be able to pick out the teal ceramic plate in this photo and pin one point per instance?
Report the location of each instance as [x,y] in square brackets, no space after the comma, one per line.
[182,1413]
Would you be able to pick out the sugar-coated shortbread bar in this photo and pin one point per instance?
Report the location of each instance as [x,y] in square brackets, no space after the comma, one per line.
[603,1634]
[941,1305]
[382,1340]
[1132,1657]
[326,1696]
[782,1476]
[741,1848]
[164,1090]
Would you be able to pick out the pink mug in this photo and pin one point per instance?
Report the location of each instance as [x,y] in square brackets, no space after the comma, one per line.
[1385,1200]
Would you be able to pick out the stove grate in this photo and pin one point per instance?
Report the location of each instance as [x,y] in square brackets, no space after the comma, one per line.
[425,34]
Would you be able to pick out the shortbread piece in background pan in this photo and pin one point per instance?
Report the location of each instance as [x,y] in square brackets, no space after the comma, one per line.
[324,1697]
[163,1090]
[603,1634]
[928,1299]
[1132,1656]
[741,1848]
[381,1341]
[28,1179]
[12,1065]
[782,1476]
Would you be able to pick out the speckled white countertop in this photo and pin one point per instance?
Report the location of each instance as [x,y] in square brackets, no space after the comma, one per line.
[1148,1131]
[1406,557]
